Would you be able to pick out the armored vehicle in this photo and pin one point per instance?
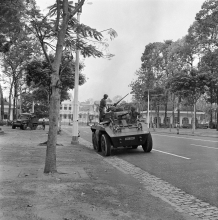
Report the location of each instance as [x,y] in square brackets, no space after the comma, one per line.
[26,120]
[116,131]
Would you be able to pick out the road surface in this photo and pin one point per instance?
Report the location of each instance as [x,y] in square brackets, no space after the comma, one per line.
[189,163]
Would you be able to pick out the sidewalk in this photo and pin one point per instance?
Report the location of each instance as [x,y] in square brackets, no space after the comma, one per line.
[183,131]
[86,187]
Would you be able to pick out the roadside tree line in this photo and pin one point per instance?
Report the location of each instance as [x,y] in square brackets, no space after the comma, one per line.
[183,71]
[37,54]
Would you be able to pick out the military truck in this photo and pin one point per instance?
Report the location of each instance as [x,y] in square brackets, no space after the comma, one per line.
[116,131]
[26,120]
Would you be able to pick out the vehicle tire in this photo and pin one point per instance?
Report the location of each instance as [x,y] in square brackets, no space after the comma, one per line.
[13,126]
[23,127]
[134,146]
[94,141]
[147,146]
[105,145]
[34,127]
[98,139]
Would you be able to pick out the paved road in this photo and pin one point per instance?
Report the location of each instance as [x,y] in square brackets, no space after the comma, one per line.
[188,163]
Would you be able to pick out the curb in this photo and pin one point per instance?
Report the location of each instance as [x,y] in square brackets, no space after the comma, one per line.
[199,135]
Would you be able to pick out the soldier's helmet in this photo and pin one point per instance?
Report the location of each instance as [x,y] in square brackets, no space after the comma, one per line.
[105,96]
[132,108]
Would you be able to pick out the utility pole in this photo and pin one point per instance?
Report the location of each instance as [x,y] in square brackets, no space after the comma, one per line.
[76,92]
[33,107]
[148,121]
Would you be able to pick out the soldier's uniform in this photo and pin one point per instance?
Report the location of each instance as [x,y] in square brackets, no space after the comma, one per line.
[133,114]
[102,108]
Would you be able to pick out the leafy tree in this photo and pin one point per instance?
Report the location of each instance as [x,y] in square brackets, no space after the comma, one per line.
[1,104]
[61,27]
[40,108]
[190,86]
[206,32]
[38,75]
[13,64]
[11,22]
[209,66]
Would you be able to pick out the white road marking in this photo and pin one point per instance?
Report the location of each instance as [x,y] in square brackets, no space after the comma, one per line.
[183,137]
[204,146]
[172,154]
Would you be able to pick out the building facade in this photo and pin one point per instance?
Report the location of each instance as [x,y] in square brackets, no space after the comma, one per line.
[185,118]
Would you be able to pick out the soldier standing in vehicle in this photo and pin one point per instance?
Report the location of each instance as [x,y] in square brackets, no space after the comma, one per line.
[102,107]
[133,114]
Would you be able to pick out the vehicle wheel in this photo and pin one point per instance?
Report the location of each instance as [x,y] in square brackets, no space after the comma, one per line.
[34,127]
[23,127]
[97,138]
[13,126]
[134,146]
[147,146]
[94,141]
[105,145]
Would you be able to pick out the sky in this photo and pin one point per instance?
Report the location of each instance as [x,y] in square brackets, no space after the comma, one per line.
[137,23]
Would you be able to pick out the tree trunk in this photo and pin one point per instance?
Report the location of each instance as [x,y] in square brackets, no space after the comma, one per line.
[211,113]
[173,114]
[178,114]
[9,102]
[193,121]
[21,100]
[15,102]
[217,110]
[158,113]
[1,97]
[54,109]
[165,114]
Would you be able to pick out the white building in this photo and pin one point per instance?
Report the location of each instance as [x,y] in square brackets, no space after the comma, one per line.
[66,112]
[88,112]
[186,116]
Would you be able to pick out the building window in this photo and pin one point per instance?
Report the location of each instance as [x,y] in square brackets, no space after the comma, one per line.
[185,121]
[60,115]
[65,107]
[168,120]
[65,116]
[155,120]
[69,107]
[61,107]
[69,116]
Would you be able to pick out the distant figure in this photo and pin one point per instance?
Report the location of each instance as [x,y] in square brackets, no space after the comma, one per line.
[133,114]
[43,124]
[102,108]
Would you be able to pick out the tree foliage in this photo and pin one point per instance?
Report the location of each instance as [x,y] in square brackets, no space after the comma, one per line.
[38,75]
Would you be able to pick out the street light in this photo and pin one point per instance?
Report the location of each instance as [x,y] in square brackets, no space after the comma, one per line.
[76,90]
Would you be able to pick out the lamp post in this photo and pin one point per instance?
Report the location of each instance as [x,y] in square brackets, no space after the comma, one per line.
[148,121]
[76,90]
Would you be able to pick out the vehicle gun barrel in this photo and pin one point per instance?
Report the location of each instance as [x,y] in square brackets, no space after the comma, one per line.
[116,103]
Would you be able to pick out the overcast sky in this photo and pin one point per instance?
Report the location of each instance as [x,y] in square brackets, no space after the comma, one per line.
[137,23]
